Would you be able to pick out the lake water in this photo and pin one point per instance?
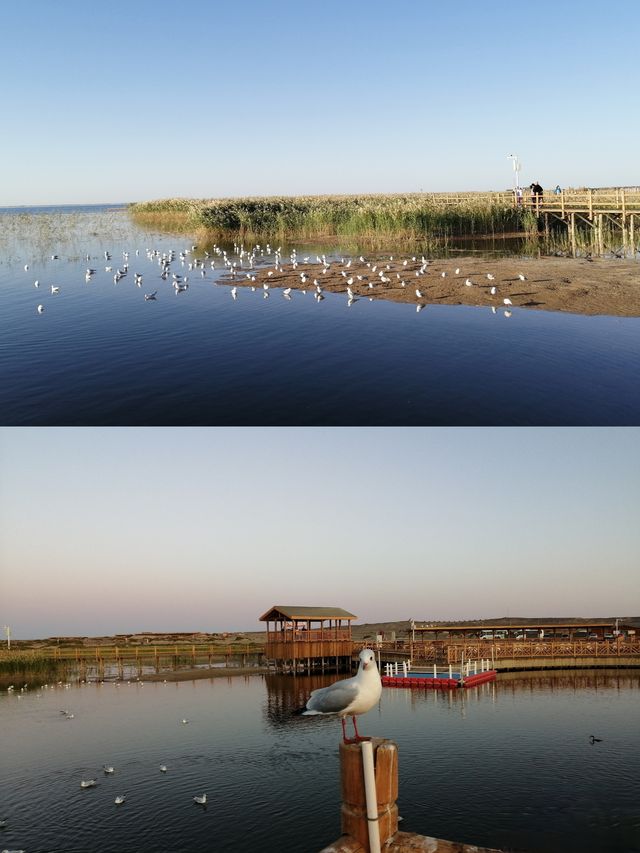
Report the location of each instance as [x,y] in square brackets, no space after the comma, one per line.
[507,764]
[99,354]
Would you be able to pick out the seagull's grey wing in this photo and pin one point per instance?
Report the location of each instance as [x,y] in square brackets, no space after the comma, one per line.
[333,699]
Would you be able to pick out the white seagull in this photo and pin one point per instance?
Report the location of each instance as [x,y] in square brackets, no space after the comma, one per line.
[351,696]
[89,783]
[119,800]
[201,801]
[507,302]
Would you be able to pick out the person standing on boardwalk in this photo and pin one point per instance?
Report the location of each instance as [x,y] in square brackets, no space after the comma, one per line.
[536,195]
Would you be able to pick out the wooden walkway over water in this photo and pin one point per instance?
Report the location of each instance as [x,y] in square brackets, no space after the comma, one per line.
[611,218]
[504,654]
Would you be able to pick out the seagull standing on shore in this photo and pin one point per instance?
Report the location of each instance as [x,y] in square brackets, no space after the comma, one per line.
[351,696]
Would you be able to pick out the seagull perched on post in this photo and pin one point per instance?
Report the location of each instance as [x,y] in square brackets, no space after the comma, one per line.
[351,696]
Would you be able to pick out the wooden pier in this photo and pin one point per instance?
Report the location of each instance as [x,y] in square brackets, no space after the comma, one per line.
[104,660]
[606,213]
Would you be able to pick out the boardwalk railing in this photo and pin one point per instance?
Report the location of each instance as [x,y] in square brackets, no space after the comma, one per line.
[445,652]
[543,649]
[587,201]
[143,654]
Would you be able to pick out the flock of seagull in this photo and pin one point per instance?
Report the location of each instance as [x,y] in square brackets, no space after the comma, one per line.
[107,769]
[264,269]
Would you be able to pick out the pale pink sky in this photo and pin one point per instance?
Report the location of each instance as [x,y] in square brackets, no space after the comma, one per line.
[122,530]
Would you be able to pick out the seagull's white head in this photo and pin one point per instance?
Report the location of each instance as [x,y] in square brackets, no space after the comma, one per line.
[367,659]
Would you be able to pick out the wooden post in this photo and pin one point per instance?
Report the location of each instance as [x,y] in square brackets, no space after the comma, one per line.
[572,233]
[590,204]
[354,803]
[601,234]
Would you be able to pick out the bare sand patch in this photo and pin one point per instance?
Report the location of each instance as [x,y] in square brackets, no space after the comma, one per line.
[573,285]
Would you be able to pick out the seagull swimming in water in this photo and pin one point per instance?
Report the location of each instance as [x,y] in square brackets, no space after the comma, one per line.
[119,800]
[89,783]
[351,696]
[201,801]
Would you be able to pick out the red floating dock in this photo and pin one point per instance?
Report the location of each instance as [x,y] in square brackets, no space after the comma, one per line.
[425,682]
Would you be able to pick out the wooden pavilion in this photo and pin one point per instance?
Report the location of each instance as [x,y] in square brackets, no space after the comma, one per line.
[301,638]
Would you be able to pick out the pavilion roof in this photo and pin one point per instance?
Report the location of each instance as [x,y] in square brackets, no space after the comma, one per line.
[291,612]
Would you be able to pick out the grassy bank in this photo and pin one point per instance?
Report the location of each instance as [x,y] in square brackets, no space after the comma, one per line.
[407,217]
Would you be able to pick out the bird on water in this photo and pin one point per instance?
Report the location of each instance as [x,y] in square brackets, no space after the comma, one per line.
[349,697]
[593,739]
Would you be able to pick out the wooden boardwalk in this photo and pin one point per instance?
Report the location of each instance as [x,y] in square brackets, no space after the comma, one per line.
[100,658]
[587,202]
[611,218]
[517,653]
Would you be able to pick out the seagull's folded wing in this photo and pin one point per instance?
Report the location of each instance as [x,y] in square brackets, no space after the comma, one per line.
[333,699]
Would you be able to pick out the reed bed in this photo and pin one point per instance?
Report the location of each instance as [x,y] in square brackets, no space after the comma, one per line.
[427,221]
[411,216]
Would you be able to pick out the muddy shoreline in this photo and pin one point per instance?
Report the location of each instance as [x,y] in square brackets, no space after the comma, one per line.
[573,285]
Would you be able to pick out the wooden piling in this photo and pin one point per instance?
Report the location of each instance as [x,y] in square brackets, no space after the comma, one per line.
[355,837]
[354,803]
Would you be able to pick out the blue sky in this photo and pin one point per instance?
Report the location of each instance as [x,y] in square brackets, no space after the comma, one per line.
[121,530]
[147,99]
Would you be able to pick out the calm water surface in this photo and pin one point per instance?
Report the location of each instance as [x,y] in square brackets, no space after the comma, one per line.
[102,355]
[507,765]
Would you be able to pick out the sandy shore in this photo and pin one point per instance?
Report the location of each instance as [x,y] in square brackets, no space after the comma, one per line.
[577,286]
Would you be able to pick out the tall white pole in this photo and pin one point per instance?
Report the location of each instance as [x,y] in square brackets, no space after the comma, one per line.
[516,169]
[7,631]
[371,797]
